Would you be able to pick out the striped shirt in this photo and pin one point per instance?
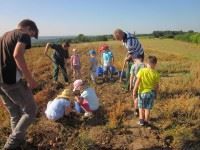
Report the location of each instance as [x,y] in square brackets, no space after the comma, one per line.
[132,44]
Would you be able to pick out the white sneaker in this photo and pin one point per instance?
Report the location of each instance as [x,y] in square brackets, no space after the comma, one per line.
[140,122]
[87,114]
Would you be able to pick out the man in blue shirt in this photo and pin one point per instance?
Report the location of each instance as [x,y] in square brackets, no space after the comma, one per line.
[131,43]
[134,49]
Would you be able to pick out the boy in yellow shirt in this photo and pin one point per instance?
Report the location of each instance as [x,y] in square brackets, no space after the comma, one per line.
[147,86]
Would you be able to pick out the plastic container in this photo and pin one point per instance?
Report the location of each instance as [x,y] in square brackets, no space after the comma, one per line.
[99,71]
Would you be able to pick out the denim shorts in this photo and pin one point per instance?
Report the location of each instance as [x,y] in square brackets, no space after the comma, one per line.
[146,100]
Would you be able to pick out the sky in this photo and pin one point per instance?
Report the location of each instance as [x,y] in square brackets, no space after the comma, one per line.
[98,17]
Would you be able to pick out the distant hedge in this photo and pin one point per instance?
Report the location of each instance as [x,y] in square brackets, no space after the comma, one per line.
[166,34]
[189,37]
[78,39]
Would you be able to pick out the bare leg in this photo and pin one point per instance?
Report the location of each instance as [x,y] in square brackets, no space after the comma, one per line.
[136,103]
[141,114]
[147,115]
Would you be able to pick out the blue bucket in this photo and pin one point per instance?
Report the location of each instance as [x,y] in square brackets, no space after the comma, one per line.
[99,71]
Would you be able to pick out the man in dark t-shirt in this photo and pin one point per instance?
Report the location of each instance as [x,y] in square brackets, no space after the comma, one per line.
[16,94]
[60,53]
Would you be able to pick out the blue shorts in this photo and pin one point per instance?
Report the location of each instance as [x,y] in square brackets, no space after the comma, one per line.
[146,100]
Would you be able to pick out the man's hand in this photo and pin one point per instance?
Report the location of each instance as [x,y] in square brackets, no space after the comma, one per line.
[21,64]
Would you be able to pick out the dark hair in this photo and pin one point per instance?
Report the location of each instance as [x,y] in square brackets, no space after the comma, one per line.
[31,24]
[76,93]
[66,44]
[152,60]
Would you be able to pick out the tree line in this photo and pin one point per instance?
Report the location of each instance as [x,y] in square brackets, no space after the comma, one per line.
[77,39]
[189,36]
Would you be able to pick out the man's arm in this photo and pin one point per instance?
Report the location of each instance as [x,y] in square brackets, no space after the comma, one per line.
[48,45]
[21,64]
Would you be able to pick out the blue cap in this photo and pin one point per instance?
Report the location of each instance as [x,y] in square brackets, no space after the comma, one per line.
[92,52]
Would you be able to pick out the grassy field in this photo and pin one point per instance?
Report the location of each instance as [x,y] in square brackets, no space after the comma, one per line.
[175,114]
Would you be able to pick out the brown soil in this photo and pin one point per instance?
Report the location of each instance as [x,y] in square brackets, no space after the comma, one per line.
[113,126]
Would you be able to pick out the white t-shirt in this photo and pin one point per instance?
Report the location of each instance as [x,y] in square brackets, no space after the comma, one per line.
[89,94]
[56,108]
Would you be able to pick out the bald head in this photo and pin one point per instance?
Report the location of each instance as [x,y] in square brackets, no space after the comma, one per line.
[118,34]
